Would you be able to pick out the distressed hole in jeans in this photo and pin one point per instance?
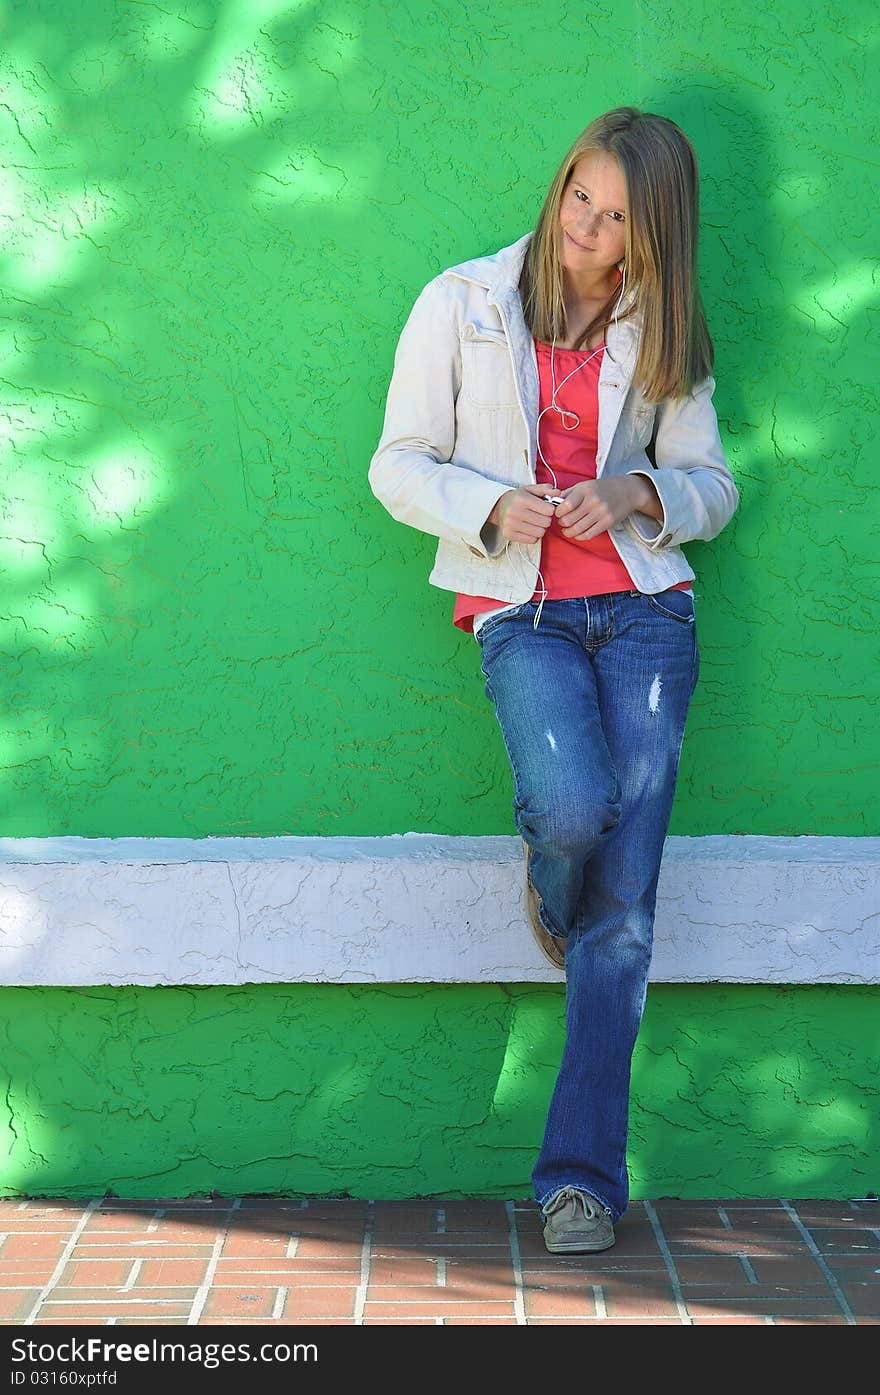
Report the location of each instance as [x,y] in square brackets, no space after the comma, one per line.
[654,695]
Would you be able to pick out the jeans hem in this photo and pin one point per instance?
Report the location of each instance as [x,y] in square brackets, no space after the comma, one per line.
[581,1187]
[557,935]
[540,909]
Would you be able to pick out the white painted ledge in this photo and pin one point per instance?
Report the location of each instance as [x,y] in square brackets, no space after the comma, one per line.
[413,908]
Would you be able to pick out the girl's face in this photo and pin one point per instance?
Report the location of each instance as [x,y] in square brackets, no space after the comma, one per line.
[592,216]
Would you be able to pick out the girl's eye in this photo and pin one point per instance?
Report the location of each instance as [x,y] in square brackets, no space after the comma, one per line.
[579,194]
[618,217]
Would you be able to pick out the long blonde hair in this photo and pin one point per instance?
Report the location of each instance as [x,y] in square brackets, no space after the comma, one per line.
[659,169]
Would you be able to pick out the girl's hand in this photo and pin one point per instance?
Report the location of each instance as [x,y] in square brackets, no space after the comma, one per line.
[522,514]
[594,506]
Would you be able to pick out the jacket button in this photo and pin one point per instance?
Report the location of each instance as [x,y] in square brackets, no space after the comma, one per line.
[475,550]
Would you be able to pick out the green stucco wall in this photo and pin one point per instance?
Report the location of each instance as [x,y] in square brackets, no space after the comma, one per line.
[214,219]
[405,1090]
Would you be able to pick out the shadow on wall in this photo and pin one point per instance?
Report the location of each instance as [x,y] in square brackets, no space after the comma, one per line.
[214,225]
[408,1091]
[785,594]
[177,361]
[791,299]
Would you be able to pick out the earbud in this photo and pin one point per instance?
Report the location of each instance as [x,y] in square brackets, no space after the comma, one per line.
[620,296]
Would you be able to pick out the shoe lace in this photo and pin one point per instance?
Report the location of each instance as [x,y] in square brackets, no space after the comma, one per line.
[575,1200]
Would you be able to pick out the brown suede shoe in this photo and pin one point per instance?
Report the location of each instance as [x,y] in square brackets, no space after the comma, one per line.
[550,946]
[576,1223]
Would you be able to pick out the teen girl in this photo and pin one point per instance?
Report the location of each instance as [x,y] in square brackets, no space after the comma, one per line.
[550,420]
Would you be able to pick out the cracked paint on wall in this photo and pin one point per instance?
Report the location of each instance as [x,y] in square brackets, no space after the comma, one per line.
[408,1090]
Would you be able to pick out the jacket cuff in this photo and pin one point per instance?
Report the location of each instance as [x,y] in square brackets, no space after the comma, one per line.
[653,532]
[489,541]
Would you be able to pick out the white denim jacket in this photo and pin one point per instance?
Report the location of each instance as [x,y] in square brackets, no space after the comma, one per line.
[460,430]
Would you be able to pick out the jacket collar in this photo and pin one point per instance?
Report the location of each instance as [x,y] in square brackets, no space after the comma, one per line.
[499,275]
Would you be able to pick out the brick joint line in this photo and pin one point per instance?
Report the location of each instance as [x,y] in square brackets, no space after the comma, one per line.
[820,1262]
[360,1297]
[47,1288]
[157,1216]
[112,1296]
[204,1289]
[519,1304]
[681,1306]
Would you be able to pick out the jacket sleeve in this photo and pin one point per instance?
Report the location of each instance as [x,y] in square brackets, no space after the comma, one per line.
[410,472]
[696,488]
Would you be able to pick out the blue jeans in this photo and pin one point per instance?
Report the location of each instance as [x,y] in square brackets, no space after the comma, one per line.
[592,706]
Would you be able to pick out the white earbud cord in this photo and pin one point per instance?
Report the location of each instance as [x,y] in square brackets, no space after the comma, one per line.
[553,405]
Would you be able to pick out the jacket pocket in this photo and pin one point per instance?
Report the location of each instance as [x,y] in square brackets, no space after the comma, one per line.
[636,426]
[486,369]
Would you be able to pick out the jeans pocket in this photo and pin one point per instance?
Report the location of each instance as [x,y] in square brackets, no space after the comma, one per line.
[493,621]
[673,605]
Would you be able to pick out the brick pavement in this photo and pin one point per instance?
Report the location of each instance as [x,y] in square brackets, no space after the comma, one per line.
[272,1261]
